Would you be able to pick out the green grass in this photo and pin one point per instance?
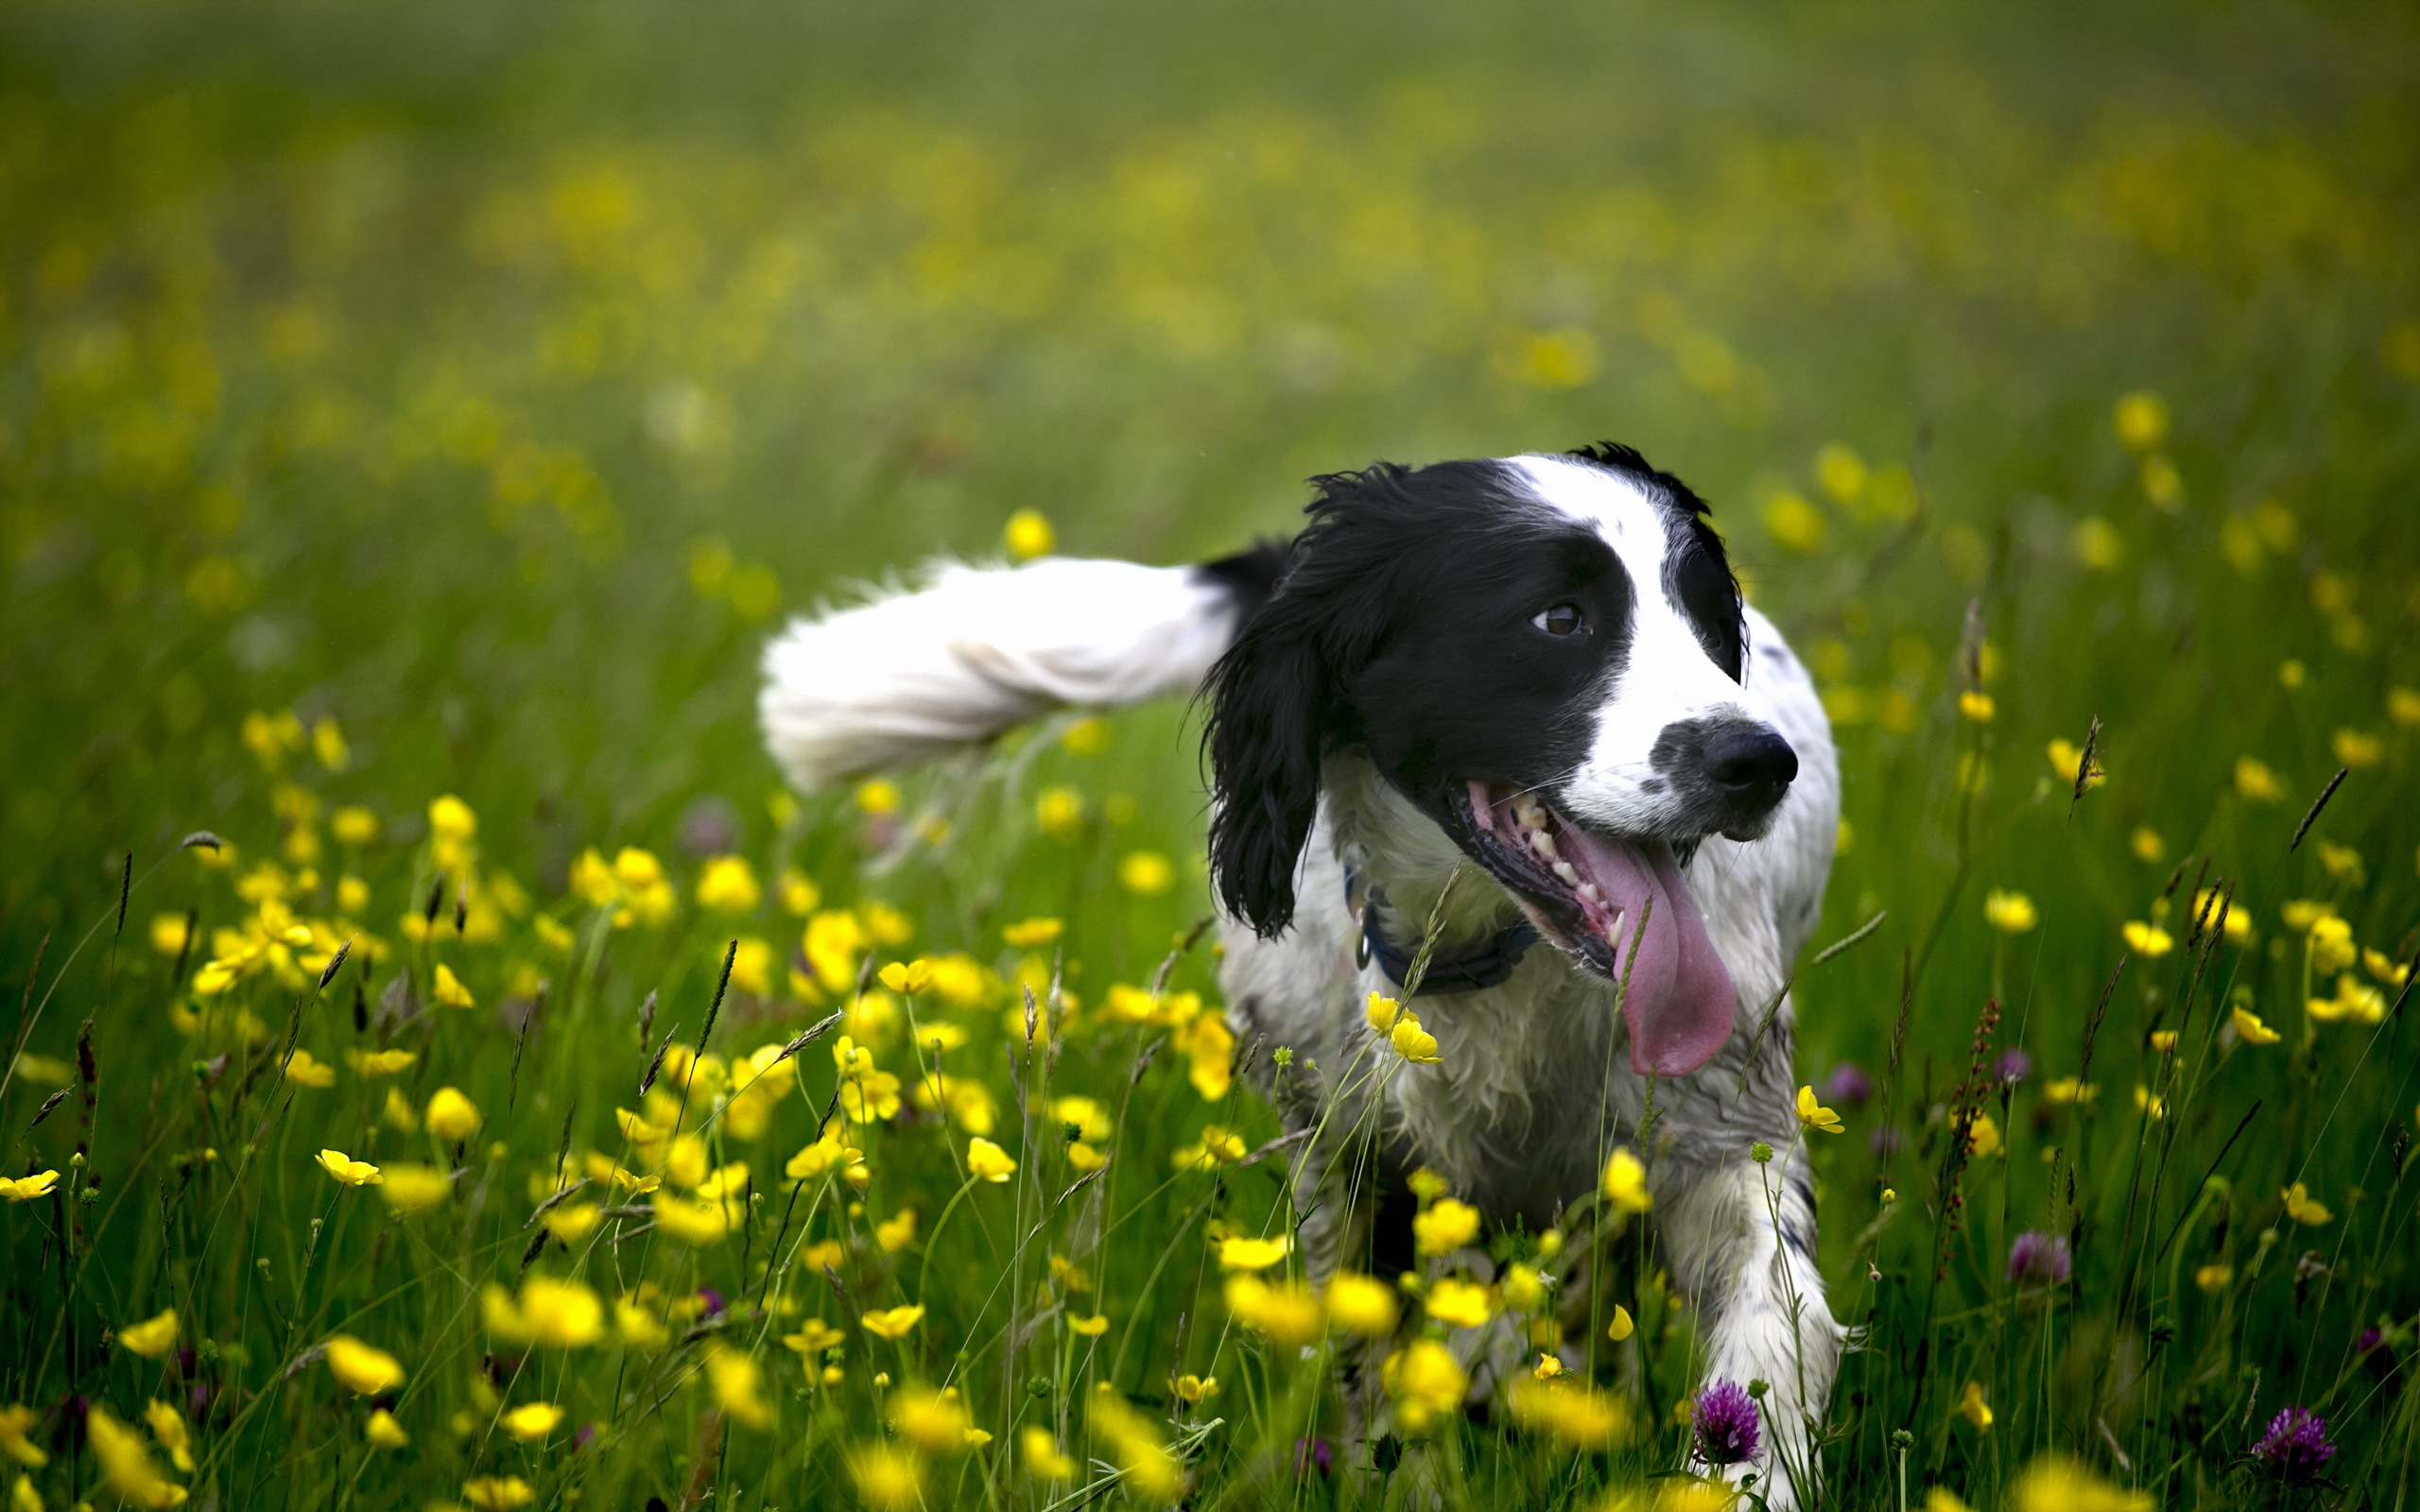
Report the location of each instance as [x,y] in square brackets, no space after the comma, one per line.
[489,382]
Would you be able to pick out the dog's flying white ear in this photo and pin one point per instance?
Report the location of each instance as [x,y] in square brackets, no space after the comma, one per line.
[977,650]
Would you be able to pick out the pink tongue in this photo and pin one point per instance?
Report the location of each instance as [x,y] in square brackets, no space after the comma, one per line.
[1681,1001]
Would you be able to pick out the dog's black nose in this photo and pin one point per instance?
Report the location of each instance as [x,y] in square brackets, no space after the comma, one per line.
[1750,765]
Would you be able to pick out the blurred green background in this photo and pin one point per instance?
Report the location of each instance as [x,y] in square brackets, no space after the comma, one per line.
[492,379]
[392,362]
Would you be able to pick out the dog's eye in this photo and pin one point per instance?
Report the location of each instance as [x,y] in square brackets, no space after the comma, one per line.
[1564,619]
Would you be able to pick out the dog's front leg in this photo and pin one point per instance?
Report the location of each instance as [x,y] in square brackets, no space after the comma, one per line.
[1741,1238]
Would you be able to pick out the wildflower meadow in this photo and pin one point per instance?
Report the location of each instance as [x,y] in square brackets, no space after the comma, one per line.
[445,1068]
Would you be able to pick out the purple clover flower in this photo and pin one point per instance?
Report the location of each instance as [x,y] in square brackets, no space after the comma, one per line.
[2296,1446]
[1848,1084]
[2013,1066]
[2039,1259]
[1885,1139]
[1726,1424]
[1312,1457]
[711,1301]
[2371,1339]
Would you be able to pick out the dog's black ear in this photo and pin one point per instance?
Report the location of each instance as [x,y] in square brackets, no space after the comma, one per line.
[1270,696]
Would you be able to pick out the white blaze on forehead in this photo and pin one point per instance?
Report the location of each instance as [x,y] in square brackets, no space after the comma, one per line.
[1667,676]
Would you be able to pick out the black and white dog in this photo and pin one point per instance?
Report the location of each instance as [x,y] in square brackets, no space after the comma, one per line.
[1516,710]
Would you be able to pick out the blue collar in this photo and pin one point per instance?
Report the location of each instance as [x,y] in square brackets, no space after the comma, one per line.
[1489,963]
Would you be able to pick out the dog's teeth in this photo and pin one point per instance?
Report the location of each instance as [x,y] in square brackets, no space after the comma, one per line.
[1588,891]
[1543,844]
[1613,927]
[1570,876]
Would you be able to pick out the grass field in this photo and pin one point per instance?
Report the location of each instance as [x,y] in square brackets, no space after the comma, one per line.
[413,420]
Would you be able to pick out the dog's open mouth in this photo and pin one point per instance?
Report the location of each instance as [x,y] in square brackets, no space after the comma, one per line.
[1590,894]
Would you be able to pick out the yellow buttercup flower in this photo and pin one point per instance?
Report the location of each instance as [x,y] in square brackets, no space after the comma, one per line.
[1060,813]
[126,1465]
[1218,1146]
[693,1223]
[1146,873]
[169,933]
[1027,934]
[638,1328]
[934,1421]
[1815,1116]
[151,1338]
[498,1493]
[556,1313]
[2249,1028]
[1285,1311]
[1446,1225]
[1625,1182]
[1044,1459]
[896,1232]
[2052,1484]
[410,1188]
[728,886]
[1426,1383]
[1361,1304]
[385,1431]
[737,1382]
[1982,1136]
[813,1336]
[2256,783]
[448,988]
[361,1368]
[2354,1001]
[14,1422]
[2304,1208]
[1622,1327]
[989,1162]
[27,1187]
[1090,1328]
[1253,1254]
[167,1426]
[891,1323]
[2141,421]
[354,825]
[887,1479]
[1414,1044]
[2212,1279]
[380,1062]
[531,1422]
[2067,759]
[1459,1303]
[2148,940]
[305,1070]
[346,1169]
[2331,944]
[451,1115]
[1972,1407]
[1029,534]
[2011,913]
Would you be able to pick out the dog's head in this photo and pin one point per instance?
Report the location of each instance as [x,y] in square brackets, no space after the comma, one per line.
[1544,655]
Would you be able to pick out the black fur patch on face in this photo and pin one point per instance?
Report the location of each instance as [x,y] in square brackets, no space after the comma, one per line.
[1697,573]
[1440,617]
